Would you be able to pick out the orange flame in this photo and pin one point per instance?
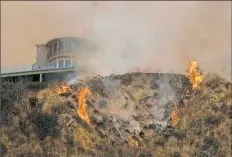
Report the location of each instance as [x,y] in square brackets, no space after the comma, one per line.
[174,117]
[63,89]
[193,75]
[82,110]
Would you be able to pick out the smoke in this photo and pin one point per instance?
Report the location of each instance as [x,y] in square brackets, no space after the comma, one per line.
[116,101]
[134,100]
[159,36]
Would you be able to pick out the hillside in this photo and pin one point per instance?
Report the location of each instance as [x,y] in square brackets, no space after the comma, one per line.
[130,115]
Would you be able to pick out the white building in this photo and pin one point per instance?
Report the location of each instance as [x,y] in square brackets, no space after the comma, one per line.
[60,53]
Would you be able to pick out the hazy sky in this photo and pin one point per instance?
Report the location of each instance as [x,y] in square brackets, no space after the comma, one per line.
[160,36]
[25,24]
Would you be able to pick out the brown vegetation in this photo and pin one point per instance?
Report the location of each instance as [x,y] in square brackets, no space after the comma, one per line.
[125,118]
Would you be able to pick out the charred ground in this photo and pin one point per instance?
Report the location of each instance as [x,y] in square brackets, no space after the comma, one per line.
[130,115]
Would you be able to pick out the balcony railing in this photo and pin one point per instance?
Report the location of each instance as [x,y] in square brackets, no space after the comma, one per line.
[48,67]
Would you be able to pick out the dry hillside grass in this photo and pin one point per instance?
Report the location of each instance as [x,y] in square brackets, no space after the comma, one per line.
[37,122]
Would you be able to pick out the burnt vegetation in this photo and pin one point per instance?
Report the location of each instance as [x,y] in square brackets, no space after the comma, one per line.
[129,116]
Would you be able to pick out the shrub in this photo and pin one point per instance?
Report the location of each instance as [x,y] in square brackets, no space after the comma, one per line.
[36,86]
[46,125]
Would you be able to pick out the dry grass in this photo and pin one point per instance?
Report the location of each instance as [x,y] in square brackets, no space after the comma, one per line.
[40,123]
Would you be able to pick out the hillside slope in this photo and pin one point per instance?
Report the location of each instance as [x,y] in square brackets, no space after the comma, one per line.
[131,115]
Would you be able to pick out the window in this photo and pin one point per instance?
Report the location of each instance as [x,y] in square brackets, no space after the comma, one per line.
[76,47]
[49,66]
[50,48]
[64,48]
[67,63]
[48,55]
[72,47]
[54,65]
[55,50]
[61,47]
[61,64]
[68,47]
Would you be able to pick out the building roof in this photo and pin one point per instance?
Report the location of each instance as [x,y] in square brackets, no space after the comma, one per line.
[77,39]
[84,43]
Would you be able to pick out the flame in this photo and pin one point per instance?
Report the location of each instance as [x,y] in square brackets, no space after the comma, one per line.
[63,89]
[82,110]
[174,117]
[193,75]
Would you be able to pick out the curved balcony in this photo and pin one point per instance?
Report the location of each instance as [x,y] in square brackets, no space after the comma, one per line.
[66,47]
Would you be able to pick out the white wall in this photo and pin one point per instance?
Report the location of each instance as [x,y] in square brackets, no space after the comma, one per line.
[41,56]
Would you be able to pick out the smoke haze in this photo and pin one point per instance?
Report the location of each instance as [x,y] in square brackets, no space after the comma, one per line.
[156,36]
